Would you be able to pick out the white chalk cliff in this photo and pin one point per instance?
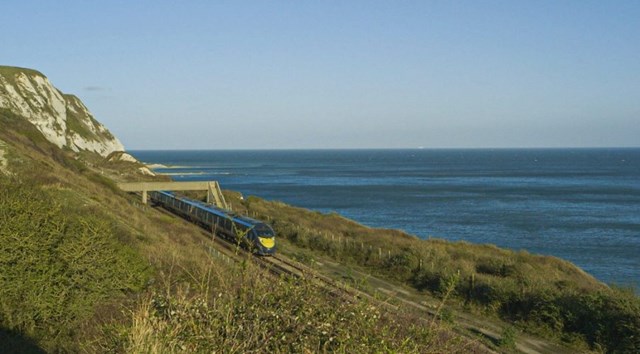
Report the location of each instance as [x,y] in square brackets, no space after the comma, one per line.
[63,119]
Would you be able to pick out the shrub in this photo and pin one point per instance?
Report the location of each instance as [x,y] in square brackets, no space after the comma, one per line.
[543,294]
[57,263]
[276,315]
[508,338]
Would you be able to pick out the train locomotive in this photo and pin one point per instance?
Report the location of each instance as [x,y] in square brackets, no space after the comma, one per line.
[253,234]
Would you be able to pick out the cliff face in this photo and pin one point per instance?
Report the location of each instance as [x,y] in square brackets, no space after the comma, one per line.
[63,119]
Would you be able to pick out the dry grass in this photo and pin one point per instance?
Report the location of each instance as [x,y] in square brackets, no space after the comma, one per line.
[248,312]
[182,299]
[542,294]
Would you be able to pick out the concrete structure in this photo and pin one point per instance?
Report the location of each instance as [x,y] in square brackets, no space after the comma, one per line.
[214,193]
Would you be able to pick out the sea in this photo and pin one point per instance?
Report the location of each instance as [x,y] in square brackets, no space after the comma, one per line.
[582,205]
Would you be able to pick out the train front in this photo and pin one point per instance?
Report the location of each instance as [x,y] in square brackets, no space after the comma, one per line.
[264,239]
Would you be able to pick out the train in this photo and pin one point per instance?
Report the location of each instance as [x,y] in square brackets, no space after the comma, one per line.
[253,234]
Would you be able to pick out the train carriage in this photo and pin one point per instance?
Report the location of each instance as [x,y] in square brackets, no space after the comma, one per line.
[254,234]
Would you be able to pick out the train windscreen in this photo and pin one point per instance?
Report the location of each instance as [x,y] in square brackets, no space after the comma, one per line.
[264,230]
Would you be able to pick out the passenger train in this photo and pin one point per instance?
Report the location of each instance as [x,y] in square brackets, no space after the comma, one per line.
[253,234]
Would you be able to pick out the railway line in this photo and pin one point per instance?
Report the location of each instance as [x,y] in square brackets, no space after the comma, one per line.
[284,265]
[209,219]
[280,265]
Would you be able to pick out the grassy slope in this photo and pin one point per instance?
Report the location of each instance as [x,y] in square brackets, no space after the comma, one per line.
[176,289]
[84,267]
[542,294]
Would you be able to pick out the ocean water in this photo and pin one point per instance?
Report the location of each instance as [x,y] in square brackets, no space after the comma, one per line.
[582,205]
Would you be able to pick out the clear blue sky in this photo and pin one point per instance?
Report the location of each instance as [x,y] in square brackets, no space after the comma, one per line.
[341,74]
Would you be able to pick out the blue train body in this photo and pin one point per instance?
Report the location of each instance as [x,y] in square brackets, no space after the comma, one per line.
[254,234]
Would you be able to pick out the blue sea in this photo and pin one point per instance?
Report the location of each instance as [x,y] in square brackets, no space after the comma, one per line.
[582,205]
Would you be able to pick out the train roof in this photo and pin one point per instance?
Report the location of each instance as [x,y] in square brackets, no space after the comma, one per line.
[244,220]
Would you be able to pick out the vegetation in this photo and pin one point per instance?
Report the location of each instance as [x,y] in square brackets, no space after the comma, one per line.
[76,124]
[79,121]
[249,312]
[9,75]
[50,246]
[508,339]
[86,268]
[9,72]
[544,295]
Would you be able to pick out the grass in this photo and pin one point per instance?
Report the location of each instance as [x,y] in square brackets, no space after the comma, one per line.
[508,340]
[248,312]
[82,123]
[543,295]
[76,124]
[85,267]
[48,255]
[9,72]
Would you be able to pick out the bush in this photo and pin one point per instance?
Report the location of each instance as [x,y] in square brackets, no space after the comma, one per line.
[508,339]
[543,294]
[57,263]
[276,315]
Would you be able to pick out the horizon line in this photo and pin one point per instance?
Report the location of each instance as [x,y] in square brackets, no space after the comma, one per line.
[393,148]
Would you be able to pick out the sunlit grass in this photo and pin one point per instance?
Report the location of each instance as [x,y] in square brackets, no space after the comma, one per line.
[87,268]
[542,294]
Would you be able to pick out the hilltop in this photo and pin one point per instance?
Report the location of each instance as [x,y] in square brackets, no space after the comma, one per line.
[61,118]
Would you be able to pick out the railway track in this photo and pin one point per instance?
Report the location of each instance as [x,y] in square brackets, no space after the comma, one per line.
[280,265]
[276,264]
[343,287]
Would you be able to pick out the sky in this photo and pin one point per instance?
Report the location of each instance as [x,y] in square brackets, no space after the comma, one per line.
[341,74]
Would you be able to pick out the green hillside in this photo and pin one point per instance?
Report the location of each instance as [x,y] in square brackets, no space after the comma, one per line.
[543,295]
[86,268]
